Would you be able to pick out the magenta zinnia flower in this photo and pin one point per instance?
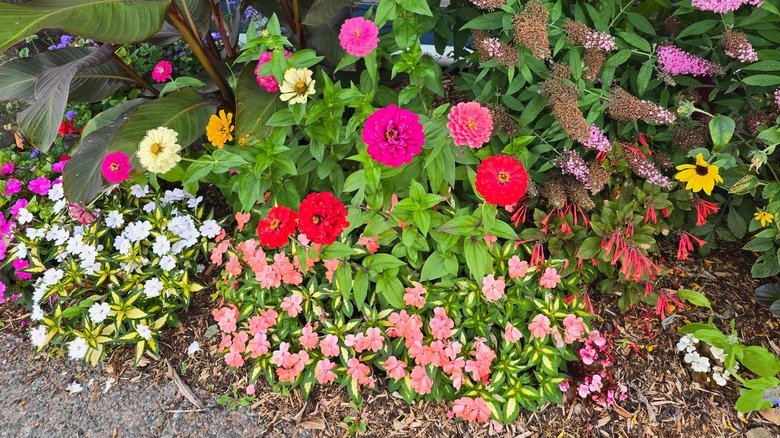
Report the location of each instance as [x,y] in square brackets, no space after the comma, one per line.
[393,135]
[470,123]
[359,36]
[116,167]
[162,71]
[268,82]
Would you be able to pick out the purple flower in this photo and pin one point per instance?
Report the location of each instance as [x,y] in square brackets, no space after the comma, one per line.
[7,168]
[64,41]
[18,205]
[12,186]
[40,185]
[34,153]
[676,61]
[71,114]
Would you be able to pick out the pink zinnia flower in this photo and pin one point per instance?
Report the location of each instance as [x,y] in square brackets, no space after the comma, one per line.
[116,167]
[393,135]
[517,268]
[324,373]
[550,278]
[511,333]
[540,326]
[40,185]
[421,383]
[359,36]
[162,71]
[470,124]
[493,288]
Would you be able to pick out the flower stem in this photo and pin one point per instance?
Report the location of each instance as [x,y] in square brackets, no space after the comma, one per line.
[135,76]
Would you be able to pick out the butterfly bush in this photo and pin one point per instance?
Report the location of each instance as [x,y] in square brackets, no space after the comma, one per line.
[96,277]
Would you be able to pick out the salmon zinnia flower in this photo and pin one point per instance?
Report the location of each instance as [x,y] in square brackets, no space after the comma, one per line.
[501,180]
[275,231]
[470,124]
[220,128]
[699,176]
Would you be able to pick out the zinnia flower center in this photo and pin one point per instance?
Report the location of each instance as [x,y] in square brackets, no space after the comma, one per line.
[161,70]
[156,148]
[471,124]
[503,177]
[357,32]
[391,134]
[300,87]
[114,167]
[275,224]
[316,219]
[702,170]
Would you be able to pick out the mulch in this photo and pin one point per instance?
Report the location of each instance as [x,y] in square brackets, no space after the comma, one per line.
[663,399]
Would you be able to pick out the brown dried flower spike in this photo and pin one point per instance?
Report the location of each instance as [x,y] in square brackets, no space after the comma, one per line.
[531,29]
[563,102]
[493,48]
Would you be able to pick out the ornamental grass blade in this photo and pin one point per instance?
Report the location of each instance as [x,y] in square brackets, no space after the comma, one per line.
[41,120]
[130,20]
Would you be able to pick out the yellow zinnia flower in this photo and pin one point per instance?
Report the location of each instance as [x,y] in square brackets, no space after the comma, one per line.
[219,129]
[699,176]
[157,152]
[297,85]
[763,217]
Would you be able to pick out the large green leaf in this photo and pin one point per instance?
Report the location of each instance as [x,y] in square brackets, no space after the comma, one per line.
[17,77]
[41,120]
[187,112]
[111,21]
[254,106]
[197,13]
[323,10]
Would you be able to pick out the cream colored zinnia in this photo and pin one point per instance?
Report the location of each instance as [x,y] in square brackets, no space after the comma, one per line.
[297,85]
[158,150]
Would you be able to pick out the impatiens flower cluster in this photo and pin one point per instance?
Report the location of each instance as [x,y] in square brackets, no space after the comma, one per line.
[393,135]
[594,379]
[470,124]
[358,36]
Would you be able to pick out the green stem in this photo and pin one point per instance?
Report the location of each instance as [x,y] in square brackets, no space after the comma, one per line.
[197,48]
[135,76]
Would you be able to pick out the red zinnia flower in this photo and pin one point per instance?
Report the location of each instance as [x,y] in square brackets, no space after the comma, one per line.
[274,231]
[322,217]
[501,180]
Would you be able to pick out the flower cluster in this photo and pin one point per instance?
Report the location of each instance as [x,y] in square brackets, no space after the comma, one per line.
[675,61]
[531,29]
[268,81]
[493,48]
[625,108]
[738,47]
[701,363]
[594,378]
[723,6]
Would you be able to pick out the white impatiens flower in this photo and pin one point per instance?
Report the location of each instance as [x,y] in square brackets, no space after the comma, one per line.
[138,191]
[58,235]
[193,348]
[98,312]
[161,245]
[298,84]
[701,364]
[144,332]
[691,356]
[158,151]
[720,376]
[37,312]
[24,216]
[123,245]
[38,336]
[51,276]
[21,250]
[168,263]
[59,205]
[718,354]
[193,202]
[153,287]
[56,192]
[35,233]
[137,231]
[77,349]
[115,219]
[210,229]
[149,207]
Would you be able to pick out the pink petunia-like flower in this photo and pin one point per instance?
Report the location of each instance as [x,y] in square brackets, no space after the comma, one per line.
[550,278]
[329,346]
[259,345]
[292,304]
[324,373]
[470,124]
[359,36]
[40,185]
[308,337]
[393,135]
[19,265]
[471,409]
[517,268]
[371,243]
[357,370]
[162,71]
[573,327]
[395,368]
[511,333]
[493,288]
[12,186]
[414,295]
[116,167]
[540,326]
[18,205]
[7,169]
[234,359]
[421,383]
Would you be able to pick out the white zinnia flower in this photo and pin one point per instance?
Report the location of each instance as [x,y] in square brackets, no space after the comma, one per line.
[24,216]
[115,219]
[153,287]
[38,336]
[297,85]
[158,151]
[210,229]
[98,312]
[144,332]
[77,349]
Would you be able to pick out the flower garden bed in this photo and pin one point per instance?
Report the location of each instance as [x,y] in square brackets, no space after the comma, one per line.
[332,215]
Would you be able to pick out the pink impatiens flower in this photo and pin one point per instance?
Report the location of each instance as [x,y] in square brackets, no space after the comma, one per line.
[573,327]
[540,326]
[421,383]
[493,288]
[511,333]
[7,169]
[308,337]
[517,268]
[357,370]
[395,368]
[371,243]
[471,409]
[470,124]
[324,373]
[40,185]
[359,36]
[292,304]
[162,71]
[393,135]
[441,325]
[116,167]
[550,278]
[329,346]
[414,296]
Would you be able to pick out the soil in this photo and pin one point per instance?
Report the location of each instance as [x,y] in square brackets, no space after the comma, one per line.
[663,399]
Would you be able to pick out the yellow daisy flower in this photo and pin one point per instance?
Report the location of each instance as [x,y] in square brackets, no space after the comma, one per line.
[220,128]
[763,217]
[297,85]
[157,152]
[699,176]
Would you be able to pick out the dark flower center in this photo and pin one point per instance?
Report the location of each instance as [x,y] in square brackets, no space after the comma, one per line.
[300,87]
[316,219]
[702,170]
[502,177]
[156,148]
[114,167]
[391,134]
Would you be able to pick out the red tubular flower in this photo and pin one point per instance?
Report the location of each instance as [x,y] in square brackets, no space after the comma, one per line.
[537,256]
[275,230]
[686,246]
[703,209]
[650,215]
[322,217]
[501,180]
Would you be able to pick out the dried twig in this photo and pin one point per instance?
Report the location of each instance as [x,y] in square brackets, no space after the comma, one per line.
[185,390]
